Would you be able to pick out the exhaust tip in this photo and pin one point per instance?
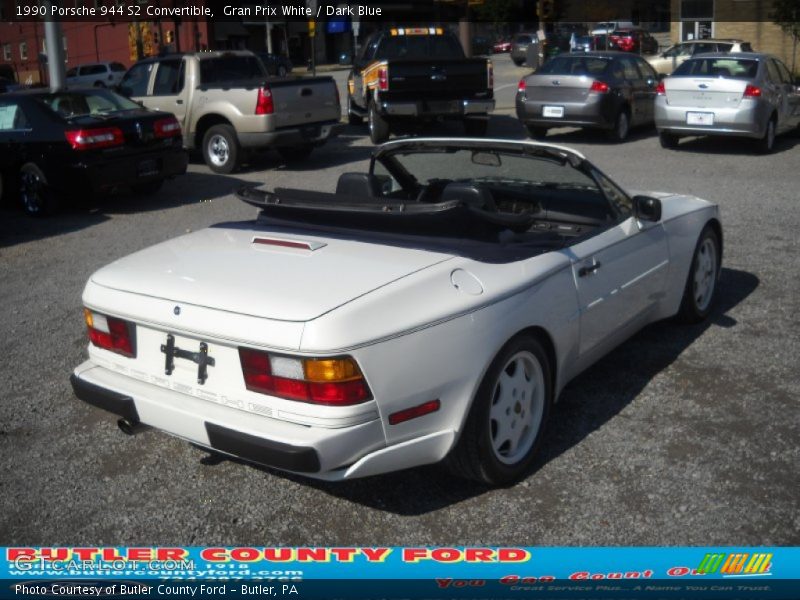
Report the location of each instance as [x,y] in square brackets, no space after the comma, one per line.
[128,427]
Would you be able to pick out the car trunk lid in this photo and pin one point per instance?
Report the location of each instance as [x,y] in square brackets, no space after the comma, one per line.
[274,276]
[704,92]
[303,101]
[558,88]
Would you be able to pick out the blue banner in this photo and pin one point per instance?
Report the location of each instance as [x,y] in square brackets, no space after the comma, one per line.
[395,572]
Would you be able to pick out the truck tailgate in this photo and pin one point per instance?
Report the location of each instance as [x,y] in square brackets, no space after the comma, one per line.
[440,78]
[306,100]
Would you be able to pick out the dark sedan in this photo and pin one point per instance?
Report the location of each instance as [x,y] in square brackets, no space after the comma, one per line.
[613,91]
[76,142]
[275,64]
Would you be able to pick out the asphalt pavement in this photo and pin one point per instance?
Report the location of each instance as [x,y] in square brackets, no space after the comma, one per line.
[682,436]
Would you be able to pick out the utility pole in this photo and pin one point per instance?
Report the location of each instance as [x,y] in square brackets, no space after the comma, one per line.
[55,51]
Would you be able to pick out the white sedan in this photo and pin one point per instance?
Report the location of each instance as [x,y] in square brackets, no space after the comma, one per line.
[430,309]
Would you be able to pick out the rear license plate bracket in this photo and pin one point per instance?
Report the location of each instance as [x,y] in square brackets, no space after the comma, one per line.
[147,167]
[700,118]
[553,112]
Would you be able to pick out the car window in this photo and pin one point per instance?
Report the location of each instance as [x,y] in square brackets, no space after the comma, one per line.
[617,70]
[169,78]
[724,47]
[230,68]
[70,105]
[522,39]
[734,68]
[773,72]
[93,70]
[645,69]
[615,195]
[704,47]
[135,81]
[629,70]
[12,117]
[746,47]
[420,46]
[574,65]
[679,50]
[73,72]
[786,76]
[118,67]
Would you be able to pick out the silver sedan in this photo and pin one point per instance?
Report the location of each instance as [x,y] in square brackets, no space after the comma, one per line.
[743,94]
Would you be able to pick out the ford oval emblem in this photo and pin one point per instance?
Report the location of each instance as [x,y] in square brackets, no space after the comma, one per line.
[177,310]
[703,86]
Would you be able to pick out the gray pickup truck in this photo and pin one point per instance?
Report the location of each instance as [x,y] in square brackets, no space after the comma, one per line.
[227,104]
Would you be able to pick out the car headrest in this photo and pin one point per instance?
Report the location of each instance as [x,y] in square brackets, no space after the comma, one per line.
[358,184]
[470,194]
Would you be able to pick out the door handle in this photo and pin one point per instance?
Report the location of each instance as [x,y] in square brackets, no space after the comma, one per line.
[584,271]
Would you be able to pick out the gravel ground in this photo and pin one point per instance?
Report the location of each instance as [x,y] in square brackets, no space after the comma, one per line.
[682,436]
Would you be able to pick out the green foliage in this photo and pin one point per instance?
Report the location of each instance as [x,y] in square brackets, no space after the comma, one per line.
[498,11]
[786,14]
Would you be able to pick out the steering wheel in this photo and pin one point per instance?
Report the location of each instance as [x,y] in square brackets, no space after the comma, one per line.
[431,191]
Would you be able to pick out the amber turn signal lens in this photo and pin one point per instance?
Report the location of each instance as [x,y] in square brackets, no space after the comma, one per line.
[331,369]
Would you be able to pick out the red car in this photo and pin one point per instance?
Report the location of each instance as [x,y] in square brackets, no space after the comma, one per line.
[502,46]
[634,40]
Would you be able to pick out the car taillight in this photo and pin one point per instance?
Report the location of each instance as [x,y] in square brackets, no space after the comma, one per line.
[329,381]
[752,91]
[89,139]
[264,103]
[110,333]
[489,75]
[383,79]
[521,86]
[661,90]
[599,86]
[165,128]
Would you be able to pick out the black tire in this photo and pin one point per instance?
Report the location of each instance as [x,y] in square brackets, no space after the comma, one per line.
[622,127]
[378,126]
[293,154]
[353,118]
[767,143]
[281,72]
[37,197]
[668,140]
[479,454]
[536,132]
[221,149]
[517,62]
[476,127]
[699,296]
[147,189]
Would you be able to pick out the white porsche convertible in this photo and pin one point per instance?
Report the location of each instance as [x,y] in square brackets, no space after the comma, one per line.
[432,308]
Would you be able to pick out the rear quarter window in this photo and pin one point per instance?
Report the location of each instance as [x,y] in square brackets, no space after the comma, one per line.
[11,117]
[230,68]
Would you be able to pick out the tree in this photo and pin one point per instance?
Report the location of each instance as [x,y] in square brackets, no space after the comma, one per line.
[786,14]
[498,11]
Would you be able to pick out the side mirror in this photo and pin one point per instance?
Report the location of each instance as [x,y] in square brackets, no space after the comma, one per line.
[646,208]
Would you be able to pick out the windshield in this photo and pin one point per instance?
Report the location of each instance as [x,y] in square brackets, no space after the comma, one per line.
[728,68]
[574,65]
[89,103]
[419,46]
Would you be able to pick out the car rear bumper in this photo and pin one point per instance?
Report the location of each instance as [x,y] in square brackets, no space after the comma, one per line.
[330,453]
[744,121]
[106,173]
[312,133]
[596,112]
[436,108]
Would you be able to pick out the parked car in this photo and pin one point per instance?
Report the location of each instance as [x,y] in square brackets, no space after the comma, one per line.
[413,75]
[668,61]
[227,106]
[554,43]
[744,94]
[275,64]
[613,91]
[465,282]
[53,144]
[519,47]
[501,46]
[102,74]
[606,27]
[635,40]
[582,43]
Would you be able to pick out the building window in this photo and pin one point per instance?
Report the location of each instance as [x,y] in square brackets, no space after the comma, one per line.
[23,50]
[697,9]
[7,52]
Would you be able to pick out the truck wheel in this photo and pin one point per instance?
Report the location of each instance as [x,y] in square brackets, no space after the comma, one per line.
[292,154]
[221,149]
[378,126]
[622,127]
[38,198]
[476,127]
[668,140]
[352,118]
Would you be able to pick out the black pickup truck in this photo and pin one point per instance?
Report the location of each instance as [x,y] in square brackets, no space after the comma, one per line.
[418,73]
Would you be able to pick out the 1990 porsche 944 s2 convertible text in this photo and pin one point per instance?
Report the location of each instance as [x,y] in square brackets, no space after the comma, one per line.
[405,319]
